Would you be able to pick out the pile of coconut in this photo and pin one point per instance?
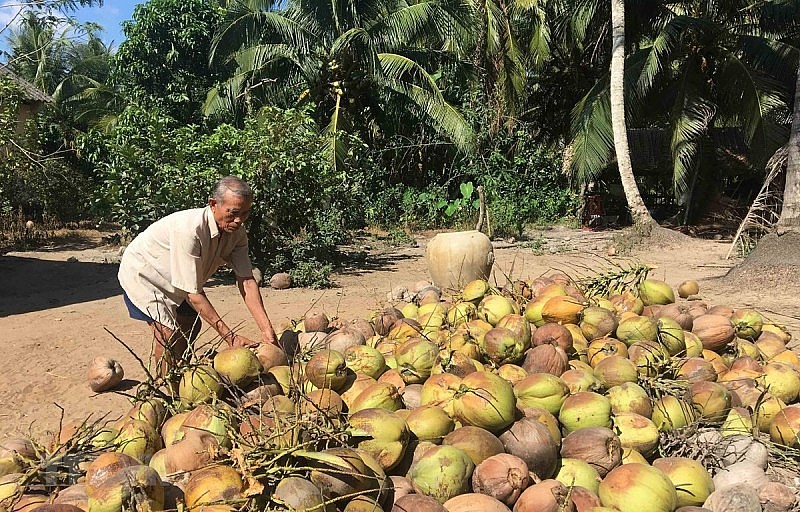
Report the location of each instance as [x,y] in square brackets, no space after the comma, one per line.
[601,394]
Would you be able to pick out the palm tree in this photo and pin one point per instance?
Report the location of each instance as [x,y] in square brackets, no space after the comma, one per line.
[695,67]
[354,60]
[617,105]
[38,51]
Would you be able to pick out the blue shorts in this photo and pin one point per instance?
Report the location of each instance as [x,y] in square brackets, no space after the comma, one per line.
[137,314]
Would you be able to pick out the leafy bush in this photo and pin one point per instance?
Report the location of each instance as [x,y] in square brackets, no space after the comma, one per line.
[303,204]
[31,182]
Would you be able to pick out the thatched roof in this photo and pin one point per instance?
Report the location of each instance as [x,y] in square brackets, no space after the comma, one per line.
[30,91]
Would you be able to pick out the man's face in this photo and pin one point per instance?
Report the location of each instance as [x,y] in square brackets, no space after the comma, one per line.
[230,213]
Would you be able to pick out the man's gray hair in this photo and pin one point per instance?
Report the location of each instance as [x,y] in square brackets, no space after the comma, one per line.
[236,186]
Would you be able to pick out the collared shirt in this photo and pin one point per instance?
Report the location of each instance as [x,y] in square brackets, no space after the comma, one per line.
[174,257]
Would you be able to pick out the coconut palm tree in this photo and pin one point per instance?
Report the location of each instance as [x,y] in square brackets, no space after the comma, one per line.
[355,60]
[696,66]
[617,106]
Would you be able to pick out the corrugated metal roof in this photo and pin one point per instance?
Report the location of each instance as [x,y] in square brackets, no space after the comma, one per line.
[30,91]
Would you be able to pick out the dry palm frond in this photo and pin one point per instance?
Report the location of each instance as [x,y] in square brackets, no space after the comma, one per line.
[765,211]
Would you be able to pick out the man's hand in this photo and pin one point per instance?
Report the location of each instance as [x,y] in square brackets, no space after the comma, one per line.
[241,341]
[269,337]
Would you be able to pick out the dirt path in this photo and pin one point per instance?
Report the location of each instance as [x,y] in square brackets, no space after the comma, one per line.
[61,305]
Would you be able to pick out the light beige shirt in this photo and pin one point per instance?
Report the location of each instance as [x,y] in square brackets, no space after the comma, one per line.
[174,257]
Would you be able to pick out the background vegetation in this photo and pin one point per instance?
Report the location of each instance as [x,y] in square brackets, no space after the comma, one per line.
[390,113]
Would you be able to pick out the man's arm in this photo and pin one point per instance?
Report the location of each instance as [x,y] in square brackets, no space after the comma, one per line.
[252,299]
[207,312]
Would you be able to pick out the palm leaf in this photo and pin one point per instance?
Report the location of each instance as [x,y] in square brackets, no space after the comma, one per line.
[691,116]
[409,79]
[764,213]
[592,135]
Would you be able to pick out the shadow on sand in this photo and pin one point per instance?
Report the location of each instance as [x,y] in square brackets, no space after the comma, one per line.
[31,284]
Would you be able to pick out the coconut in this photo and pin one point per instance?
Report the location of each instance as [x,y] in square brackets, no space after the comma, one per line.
[711,400]
[605,347]
[418,503]
[494,307]
[692,481]
[104,374]
[545,496]
[270,355]
[615,370]
[680,312]
[650,357]
[211,485]
[205,418]
[629,397]
[442,473]
[653,291]
[636,432]
[531,441]
[512,373]
[502,476]
[626,301]
[598,446]
[519,326]
[747,323]
[430,423]
[695,369]
[563,309]
[440,390]
[74,495]
[785,426]
[688,288]
[327,369]
[546,359]
[597,322]
[485,400]
[298,493]
[740,498]
[132,484]
[782,381]
[472,502]
[478,443]
[380,433]
[501,345]
[584,409]
[238,365]
[324,402]
[315,321]
[670,334]
[196,450]
[199,384]
[715,331]
[637,328]
[380,394]
[138,439]
[580,379]
[344,337]
[553,334]
[670,413]
[541,390]
[776,497]
[636,487]
[415,359]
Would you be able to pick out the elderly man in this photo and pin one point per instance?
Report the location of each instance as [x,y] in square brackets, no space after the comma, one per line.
[164,269]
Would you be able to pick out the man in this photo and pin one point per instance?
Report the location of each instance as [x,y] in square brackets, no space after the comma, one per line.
[164,269]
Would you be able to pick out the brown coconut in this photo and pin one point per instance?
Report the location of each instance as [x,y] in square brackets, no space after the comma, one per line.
[474,502]
[552,334]
[530,440]
[715,331]
[502,476]
[104,374]
[478,443]
[600,447]
[546,496]
[546,359]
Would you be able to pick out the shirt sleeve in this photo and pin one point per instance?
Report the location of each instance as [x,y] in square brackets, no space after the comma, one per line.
[239,260]
[186,268]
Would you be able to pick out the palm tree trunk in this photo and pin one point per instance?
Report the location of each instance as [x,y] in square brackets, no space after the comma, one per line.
[635,203]
[790,214]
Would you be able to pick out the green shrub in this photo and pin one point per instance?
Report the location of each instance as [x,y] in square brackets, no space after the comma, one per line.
[304,206]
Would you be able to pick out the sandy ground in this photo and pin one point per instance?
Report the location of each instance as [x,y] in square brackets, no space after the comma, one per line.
[61,306]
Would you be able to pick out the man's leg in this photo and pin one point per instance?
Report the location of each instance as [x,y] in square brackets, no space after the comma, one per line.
[169,347]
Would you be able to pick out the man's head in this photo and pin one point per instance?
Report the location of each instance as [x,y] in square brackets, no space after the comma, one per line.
[230,203]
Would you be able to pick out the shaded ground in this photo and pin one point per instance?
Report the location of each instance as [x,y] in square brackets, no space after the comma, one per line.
[61,306]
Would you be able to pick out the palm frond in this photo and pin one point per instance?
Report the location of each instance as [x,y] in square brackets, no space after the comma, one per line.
[753,98]
[407,78]
[764,213]
[690,119]
[592,135]
[248,22]
[356,45]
